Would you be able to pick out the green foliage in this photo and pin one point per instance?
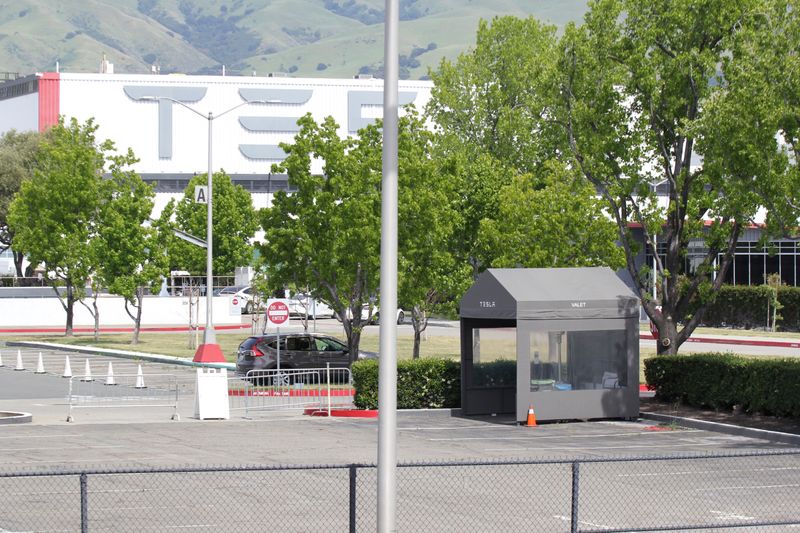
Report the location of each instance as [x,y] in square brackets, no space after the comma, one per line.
[326,235]
[557,224]
[219,36]
[130,255]
[421,384]
[18,160]
[198,35]
[768,386]
[500,373]
[749,307]
[235,224]
[628,100]
[55,215]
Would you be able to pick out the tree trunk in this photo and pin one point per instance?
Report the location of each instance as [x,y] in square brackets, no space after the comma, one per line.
[69,308]
[96,315]
[18,257]
[137,323]
[419,320]
[353,341]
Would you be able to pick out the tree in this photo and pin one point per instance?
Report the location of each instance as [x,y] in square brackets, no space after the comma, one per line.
[235,224]
[644,87]
[628,100]
[326,234]
[131,253]
[18,160]
[54,213]
[428,274]
[490,107]
[557,224]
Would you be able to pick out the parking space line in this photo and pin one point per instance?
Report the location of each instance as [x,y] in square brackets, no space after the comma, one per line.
[540,437]
[84,447]
[588,448]
[696,472]
[749,487]
[40,436]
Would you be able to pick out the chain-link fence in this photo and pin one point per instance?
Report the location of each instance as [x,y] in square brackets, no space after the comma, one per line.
[754,491]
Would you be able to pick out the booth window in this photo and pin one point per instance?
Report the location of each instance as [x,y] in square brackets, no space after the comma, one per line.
[578,360]
[494,357]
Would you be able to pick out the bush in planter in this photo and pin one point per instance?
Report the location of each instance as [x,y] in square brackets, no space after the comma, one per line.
[769,386]
[421,383]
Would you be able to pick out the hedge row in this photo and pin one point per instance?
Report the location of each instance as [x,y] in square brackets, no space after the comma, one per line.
[743,306]
[421,384]
[721,381]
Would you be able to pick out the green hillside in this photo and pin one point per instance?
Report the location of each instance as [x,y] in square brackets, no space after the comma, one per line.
[314,38]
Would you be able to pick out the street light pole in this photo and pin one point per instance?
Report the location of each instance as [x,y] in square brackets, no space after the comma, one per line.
[209,351]
[209,335]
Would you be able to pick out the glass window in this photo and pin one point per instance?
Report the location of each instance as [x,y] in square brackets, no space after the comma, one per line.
[578,360]
[494,357]
[329,345]
[273,344]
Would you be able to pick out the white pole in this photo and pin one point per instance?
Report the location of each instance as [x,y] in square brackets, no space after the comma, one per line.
[209,336]
[387,375]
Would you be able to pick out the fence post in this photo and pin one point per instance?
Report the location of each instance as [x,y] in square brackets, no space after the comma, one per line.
[353,469]
[328,380]
[84,505]
[575,481]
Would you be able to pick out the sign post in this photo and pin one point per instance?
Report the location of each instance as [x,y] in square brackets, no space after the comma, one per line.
[277,314]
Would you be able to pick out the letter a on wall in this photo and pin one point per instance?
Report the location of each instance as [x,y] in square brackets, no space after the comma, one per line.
[201,194]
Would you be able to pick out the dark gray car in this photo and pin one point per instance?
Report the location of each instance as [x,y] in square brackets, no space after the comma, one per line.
[297,350]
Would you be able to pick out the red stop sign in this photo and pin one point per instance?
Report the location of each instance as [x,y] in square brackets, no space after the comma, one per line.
[235,300]
[278,313]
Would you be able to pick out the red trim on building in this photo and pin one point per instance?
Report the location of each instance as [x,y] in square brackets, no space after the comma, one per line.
[49,100]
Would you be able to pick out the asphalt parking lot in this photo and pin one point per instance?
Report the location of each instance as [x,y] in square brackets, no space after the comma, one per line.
[147,436]
[654,492]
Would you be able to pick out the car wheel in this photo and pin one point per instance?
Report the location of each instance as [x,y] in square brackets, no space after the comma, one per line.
[401,317]
[248,308]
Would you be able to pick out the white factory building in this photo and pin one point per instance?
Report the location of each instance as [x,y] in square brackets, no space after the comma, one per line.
[171,141]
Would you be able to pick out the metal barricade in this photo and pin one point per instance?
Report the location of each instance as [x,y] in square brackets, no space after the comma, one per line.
[310,389]
[124,390]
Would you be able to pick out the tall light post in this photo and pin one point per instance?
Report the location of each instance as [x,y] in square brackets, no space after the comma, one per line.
[387,372]
[209,351]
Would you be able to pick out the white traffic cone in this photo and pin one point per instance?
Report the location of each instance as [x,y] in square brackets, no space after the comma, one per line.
[39,365]
[87,372]
[110,375]
[67,369]
[19,366]
[140,379]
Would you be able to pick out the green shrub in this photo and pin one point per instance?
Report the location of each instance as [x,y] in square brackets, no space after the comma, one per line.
[768,386]
[743,306]
[421,383]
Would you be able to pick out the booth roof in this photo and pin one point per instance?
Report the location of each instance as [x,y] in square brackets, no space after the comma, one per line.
[549,293]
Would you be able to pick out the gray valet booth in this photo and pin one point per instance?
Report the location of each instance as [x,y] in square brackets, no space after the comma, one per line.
[565,340]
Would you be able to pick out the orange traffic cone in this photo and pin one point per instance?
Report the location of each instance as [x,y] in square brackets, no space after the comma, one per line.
[531,417]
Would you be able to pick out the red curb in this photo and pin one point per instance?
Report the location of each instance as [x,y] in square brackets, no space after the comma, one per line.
[119,329]
[292,393]
[343,413]
[657,428]
[740,342]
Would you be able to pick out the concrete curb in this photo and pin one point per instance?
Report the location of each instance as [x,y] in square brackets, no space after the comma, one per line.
[729,429]
[152,357]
